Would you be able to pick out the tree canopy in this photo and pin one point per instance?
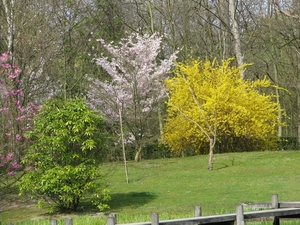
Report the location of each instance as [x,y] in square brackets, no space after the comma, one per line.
[208,100]
[135,85]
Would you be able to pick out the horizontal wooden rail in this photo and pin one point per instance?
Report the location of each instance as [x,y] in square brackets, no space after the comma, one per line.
[272,213]
[194,220]
[226,218]
[279,210]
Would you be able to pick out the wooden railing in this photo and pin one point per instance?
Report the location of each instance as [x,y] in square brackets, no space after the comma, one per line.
[274,210]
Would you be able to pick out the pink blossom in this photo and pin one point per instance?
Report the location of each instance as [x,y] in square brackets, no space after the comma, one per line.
[4,57]
[7,158]
[11,173]
[15,165]
[12,76]
[17,71]
[19,92]
[6,66]
[135,86]
[18,137]
[20,118]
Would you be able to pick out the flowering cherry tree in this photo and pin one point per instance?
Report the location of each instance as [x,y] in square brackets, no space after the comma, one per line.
[15,117]
[135,85]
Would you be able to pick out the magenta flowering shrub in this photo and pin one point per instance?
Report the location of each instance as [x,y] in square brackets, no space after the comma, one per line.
[8,165]
[15,114]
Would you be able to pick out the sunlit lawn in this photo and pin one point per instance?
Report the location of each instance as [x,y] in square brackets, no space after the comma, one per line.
[172,187]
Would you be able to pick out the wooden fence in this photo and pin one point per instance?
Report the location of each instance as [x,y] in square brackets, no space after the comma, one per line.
[274,210]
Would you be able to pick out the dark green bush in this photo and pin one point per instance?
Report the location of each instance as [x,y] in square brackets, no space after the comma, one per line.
[288,143]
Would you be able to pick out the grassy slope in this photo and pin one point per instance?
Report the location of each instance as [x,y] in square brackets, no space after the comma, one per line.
[172,187]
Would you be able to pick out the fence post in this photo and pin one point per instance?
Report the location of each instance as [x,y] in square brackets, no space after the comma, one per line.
[197,211]
[68,221]
[154,219]
[53,222]
[112,219]
[240,215]
[275,205]
[114,216]
[274,201]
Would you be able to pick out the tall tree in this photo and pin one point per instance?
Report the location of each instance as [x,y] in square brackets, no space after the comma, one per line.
[134,86]
[236,35]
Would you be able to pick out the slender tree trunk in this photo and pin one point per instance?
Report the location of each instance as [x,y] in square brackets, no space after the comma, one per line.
[123,146]
[211,154]
[236,36]
[224,26]
[278,101]
[138,154]
[9,11]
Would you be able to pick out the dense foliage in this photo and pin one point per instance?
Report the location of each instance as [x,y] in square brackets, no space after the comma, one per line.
[210,102]
[67,144]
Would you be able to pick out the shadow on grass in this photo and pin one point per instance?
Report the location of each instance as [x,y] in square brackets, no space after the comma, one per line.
[219,166]
[118,201]
[131,199]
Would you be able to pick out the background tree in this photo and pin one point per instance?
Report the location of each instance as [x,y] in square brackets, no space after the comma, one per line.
[209,101]
[134,87]
[67,143]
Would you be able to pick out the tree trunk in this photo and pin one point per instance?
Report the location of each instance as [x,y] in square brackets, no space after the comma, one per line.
[9,13]
[236,36]
[224,26]
[138,155]
[211,154]
[123,146]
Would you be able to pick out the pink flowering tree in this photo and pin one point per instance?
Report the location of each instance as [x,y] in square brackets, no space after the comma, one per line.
[134,89]
[15,118]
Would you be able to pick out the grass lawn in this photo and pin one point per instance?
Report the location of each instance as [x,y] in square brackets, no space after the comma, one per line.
[172,187]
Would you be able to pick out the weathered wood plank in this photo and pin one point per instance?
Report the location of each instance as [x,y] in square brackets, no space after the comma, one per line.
[228,218]
[272,212]
[289,204]
[224,218]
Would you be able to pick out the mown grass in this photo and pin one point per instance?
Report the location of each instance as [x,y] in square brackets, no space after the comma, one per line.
[172,187]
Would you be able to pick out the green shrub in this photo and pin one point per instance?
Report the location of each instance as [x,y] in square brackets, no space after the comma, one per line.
[67,144]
